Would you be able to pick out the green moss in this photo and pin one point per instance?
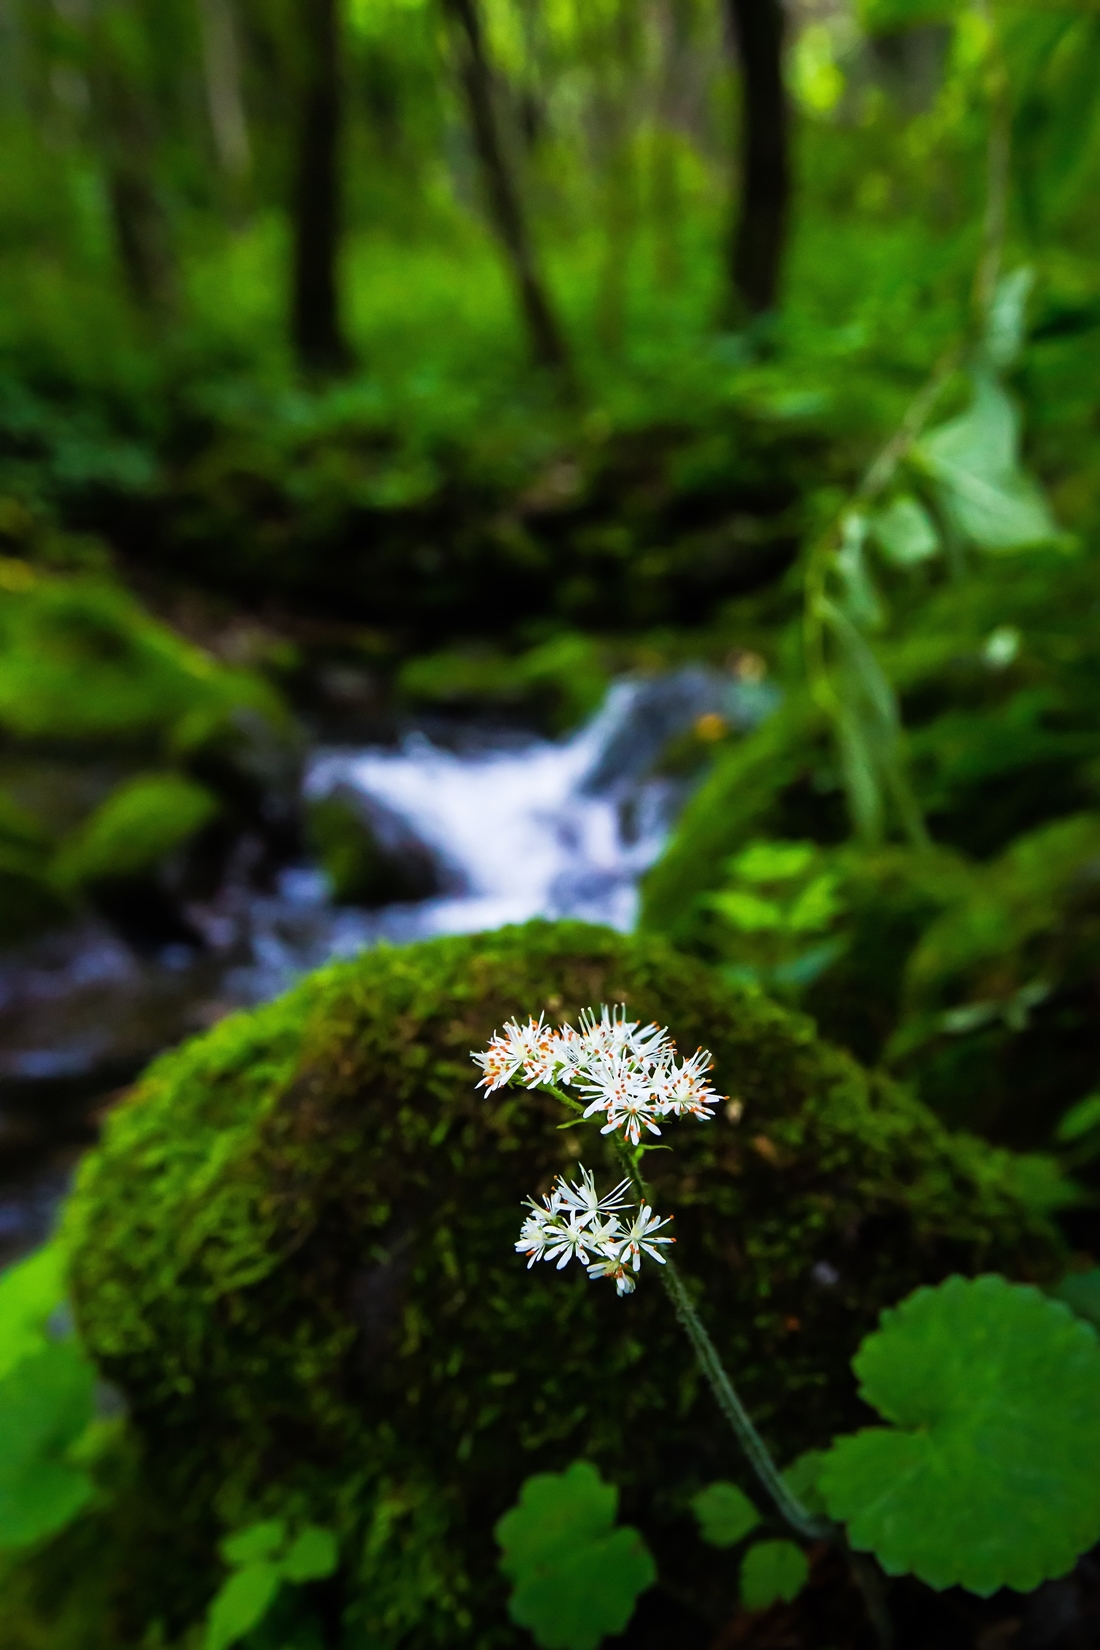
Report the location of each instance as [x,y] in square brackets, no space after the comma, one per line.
[137,827]
[81,661]
[293,1253]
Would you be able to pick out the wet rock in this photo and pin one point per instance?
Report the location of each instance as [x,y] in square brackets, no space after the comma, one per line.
[370,854]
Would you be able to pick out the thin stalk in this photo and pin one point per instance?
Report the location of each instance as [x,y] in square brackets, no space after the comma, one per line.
[759,1457]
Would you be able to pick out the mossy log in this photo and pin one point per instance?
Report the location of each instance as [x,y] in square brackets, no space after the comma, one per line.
[293,1253]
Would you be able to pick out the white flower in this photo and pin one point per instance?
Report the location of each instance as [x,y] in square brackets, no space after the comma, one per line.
[639,1238]
[614,1269]
[583,1198]
[626,1070]
[512,1050]
[605,1234]
[685,1090]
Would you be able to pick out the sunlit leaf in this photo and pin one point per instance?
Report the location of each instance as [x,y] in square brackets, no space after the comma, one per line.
[255,1542]
[746,911]
[982,490]
[905,533]
[575,1577]
[988,1477]
[312,1555]
[770,1571]
[29,1293]
[46,1404]
[241,1604]
[725,1514]
[1006,324]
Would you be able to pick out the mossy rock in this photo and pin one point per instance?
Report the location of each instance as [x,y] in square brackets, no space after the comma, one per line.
[293,1252]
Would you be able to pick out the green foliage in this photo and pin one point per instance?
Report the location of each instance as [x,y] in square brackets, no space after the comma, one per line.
[575,1576]
[81,661]
[263,1559]
[203,1281]
[770,1571]
[986,1479]
[974,463]
[46,1406]
[724,1513]
[778,906]
[1081,1293]
[564,678]
[138,826]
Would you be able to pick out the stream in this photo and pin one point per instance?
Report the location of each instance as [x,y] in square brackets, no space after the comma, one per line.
[515,826]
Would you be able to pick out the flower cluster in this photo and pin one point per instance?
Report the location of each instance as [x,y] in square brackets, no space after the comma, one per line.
[606,1234]
[621,1068]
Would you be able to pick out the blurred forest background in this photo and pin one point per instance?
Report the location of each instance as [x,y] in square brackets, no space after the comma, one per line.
[395,358]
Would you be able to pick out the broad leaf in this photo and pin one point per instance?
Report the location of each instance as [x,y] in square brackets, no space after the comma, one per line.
[46,1404]
[982,489]
[1081,1293]
[1080,1119]
[256,1541]
[770,1571]
[241,1604]
[576,1578]
[990,1479]
[725,1514]
[29,1293]
[905,533]
[312,1555]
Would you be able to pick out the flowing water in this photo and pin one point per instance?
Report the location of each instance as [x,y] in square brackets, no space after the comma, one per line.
[515,826]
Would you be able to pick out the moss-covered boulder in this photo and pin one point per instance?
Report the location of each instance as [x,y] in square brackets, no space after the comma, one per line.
[293,1253]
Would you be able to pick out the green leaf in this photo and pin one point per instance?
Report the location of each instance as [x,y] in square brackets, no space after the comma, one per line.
[1081,1293]
[1006,326]
[46,1404]
[241,1604]
[29,1292]
[991,1480]
[982,489]
[576,1578]
[725,1514]
[772,1570]
[254,1542]
[905,533]
[313,1554]
[772,861]
[748,912]
[1079,1120]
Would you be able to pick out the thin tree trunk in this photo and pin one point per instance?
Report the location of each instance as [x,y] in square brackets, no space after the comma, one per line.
[760,232]
[221,60]
[142,232]
[318,335]
[502,193]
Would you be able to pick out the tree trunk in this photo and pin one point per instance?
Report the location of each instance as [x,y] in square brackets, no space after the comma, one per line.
[501,190]
[221,60]
[760,231]
[318,336]
[126,138]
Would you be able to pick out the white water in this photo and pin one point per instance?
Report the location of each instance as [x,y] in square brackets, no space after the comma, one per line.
[521,833]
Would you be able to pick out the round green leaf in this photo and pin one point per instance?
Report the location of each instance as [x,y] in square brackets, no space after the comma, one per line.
[576,1578]
[1081,1293]
[772,1570]
[312,1555]
[993,1478]
[725,1514]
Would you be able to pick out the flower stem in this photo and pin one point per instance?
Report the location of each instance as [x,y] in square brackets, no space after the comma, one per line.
[787,1504]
